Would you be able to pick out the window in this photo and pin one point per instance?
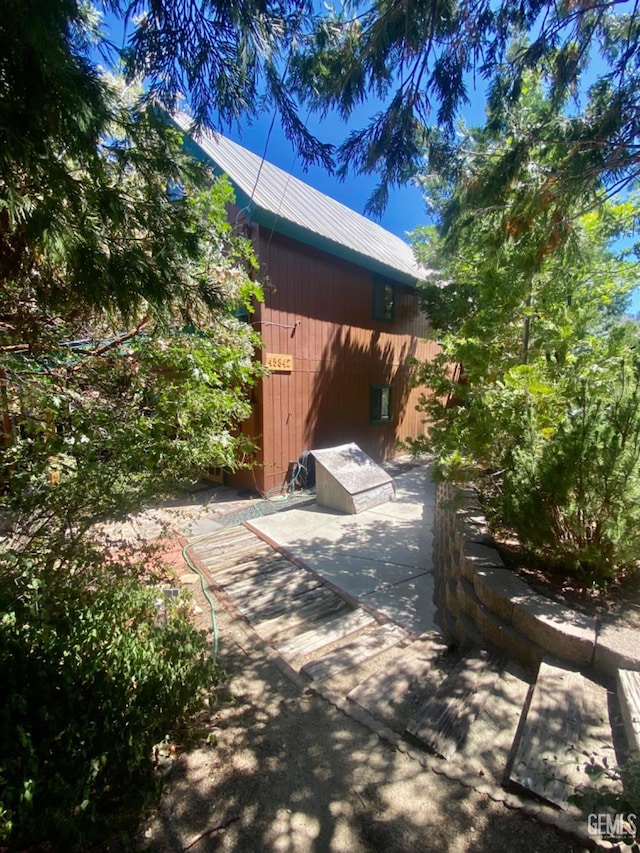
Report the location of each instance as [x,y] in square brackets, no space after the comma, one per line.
[380,404]
[384,300]
[242,314]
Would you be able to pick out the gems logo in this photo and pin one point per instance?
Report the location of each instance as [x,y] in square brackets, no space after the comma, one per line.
[618,826]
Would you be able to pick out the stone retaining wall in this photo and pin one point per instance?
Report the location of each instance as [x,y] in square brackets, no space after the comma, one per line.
[478,599]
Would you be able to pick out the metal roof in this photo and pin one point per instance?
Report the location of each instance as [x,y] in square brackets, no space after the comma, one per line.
[275,198]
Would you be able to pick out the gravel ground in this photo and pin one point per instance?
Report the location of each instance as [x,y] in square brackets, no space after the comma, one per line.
[277,768]
[274,767]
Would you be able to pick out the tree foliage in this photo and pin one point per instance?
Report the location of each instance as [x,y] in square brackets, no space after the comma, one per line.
[120,297]
[230,59]
[545,417]
[123,371]
[422,60]
[415,64]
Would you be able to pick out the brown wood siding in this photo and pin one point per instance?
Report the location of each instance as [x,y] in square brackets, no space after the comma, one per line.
[318,309]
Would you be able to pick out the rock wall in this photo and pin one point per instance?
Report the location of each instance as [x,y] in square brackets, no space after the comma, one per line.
[481,601]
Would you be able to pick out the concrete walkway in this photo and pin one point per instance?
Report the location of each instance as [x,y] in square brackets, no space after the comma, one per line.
[382,556]
[392,682]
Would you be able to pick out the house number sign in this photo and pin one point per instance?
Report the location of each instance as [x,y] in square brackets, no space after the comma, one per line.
[282,363]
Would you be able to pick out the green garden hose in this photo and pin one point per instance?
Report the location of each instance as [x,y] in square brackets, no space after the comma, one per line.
[269,498]
[200,573]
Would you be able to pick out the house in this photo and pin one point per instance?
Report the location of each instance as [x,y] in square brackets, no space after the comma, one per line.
[340,320]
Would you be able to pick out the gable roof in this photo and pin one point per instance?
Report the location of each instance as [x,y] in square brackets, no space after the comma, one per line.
[277,200]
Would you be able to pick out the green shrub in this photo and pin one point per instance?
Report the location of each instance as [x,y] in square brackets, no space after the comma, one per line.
[92,681]
[574,495]
[614,790]
[534,397]
[554,452]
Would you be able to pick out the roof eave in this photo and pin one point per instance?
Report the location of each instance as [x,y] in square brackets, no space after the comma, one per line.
[295,231]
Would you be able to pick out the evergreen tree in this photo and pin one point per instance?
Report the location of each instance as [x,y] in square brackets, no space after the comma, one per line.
[528,301]
[123,371]
[417,62]
[420,62]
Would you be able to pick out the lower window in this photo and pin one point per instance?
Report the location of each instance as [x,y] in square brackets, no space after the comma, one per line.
[380,404]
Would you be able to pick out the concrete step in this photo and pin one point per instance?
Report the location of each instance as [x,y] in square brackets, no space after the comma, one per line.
[353,654]
[628,684]
[441,724]
[565,731]
[391,692]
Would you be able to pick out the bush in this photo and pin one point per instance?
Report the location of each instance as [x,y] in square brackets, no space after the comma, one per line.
[92,682]
[554,452]
[534,396]
[574,495]
[614,790]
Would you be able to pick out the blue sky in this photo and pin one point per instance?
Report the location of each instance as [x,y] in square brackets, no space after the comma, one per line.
[406,208]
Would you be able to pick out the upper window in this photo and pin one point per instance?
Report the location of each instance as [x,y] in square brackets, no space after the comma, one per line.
[242,313]
[384,300]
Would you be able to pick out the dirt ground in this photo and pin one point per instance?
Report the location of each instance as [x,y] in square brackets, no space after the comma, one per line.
[277,768]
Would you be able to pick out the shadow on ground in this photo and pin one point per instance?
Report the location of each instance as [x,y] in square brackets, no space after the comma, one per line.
[279,769]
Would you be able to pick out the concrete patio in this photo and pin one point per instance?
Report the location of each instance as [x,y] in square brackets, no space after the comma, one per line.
[381,556]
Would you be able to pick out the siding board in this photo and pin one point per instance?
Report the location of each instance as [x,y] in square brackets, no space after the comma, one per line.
[338,352]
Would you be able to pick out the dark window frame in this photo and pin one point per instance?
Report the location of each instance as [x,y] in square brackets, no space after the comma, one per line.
[377,405]
[383,303]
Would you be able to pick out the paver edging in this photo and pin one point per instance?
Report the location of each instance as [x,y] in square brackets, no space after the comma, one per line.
[569,824]
[471,579]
